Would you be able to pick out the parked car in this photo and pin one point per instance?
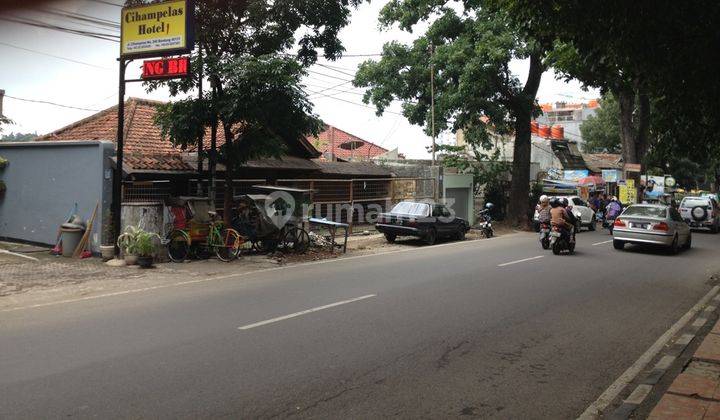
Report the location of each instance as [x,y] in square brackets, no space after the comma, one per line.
[701,213]
[653,224]
[422,220]
[584,214]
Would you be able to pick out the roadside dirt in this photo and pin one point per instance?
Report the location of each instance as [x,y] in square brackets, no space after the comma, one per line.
[44,278]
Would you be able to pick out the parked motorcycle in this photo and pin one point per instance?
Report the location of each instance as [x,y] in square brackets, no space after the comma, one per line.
[486,221]
[561,240]
[545,235]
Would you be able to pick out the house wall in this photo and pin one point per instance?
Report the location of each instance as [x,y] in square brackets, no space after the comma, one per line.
[45,180]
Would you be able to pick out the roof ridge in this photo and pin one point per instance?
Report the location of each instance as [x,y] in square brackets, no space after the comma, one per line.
[356,136]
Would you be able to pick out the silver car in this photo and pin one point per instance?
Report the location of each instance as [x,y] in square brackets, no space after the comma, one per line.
[653,224]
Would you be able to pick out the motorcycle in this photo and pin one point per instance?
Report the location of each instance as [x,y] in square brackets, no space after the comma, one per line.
[545,235]
[486,224]
[561,240]
[608,223]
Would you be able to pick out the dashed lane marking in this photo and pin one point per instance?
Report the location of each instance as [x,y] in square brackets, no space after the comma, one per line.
[603,242]
[305,312]
[519,261]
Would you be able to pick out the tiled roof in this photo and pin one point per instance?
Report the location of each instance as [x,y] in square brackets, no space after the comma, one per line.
[599,161]
[144,146]
[353,168]
[345,146]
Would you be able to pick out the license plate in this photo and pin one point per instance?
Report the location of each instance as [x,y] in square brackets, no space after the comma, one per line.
[639,225]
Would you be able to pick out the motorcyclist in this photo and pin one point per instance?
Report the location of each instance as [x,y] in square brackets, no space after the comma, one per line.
[558,215]
[543,209]
[569,216]
[613,208]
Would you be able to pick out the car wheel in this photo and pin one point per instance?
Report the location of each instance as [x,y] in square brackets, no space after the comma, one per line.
[618,244]
[460,234]
[715,228]
[431,236]
[592,225]
[688,242]
[674,246]
[390,237]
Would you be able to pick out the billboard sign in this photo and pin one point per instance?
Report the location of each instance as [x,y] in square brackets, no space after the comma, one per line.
[575,174]
[157,29]
[165,68]
[611,175]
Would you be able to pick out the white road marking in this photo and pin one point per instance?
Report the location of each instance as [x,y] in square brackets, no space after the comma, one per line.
[603,242]
[15,254]
[607,397]
[307,311]
[246,274]
[519,261]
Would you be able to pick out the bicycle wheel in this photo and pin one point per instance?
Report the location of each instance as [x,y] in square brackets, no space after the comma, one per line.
[296,240]
[228,246]
[178,245]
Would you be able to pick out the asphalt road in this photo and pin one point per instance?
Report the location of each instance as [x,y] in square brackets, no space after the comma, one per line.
[430,332]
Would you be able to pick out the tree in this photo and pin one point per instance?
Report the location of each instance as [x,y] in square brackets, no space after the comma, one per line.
[253,53]
[601,132]
[16,137]
[3,121]
[470,48]
[654,56]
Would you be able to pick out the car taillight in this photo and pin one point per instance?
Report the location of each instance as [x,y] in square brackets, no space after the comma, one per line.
[619,223]
[661,226]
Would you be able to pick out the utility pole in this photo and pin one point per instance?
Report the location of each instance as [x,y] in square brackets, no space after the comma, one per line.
[432,101]
[202,136]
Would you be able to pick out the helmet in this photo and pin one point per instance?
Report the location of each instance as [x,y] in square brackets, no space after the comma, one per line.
[544,198]
[555,202]
[613,198]
[489,206]
[564,202]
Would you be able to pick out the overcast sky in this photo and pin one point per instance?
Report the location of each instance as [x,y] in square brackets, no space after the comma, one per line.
[89,80]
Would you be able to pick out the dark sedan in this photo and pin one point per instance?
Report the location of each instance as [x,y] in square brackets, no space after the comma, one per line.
[422,220]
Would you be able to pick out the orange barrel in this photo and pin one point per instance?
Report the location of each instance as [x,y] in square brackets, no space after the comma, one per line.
[544,130]
[558,132]
[534,127]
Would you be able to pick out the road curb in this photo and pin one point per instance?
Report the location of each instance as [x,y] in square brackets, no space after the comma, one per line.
[678,405]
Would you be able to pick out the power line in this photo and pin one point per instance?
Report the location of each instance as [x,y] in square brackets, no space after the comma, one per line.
[44,25]
[54,56]
[51,103]
[107,2]
[336,70]
[351,102]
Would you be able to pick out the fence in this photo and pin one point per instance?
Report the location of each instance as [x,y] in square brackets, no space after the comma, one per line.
[353,201]
[358,201]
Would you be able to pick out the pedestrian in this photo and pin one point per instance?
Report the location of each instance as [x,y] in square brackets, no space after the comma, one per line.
[543,209]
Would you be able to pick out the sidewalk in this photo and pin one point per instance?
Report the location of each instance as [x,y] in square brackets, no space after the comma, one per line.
[695,393]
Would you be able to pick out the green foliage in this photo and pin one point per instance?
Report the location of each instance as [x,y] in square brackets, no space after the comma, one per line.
[4,121]
[17,137]
[470,46]
[244,51]
[3,162]
[601,132]
[136,241]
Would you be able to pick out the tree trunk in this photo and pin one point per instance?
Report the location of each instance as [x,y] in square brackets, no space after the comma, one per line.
[524,104]
[626,101]
[643,129]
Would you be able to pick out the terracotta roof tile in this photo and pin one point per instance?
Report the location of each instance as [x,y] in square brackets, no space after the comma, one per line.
[344,145]
[144,146]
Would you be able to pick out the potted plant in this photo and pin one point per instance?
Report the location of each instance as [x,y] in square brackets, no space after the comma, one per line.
[145,247]
[138,246]
[129,242]
[3,162]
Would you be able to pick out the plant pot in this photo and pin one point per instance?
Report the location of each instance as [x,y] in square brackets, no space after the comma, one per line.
[145,261]
[131,259]
[107,252]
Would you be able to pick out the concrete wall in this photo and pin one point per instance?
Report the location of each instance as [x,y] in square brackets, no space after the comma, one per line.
[464,182]
[45,180]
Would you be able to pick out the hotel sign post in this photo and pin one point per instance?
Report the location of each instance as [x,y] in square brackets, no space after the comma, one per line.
[151,30]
